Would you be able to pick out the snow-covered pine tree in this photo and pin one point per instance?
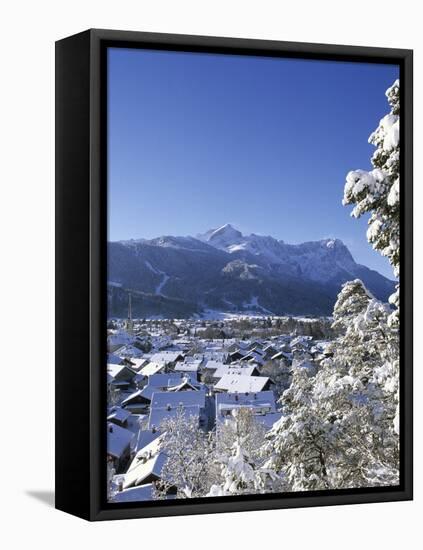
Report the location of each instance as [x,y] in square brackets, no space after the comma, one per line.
[358,388]
[377,192]
[337,428]
[299,443]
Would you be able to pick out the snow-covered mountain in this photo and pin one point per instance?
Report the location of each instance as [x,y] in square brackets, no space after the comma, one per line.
[226,270]
[318,260]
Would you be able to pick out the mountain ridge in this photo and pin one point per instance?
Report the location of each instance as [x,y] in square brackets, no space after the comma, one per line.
[225,270]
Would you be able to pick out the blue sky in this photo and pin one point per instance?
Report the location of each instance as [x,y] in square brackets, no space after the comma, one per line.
[200,140]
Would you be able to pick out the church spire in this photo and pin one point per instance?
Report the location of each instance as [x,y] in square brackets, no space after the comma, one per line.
[129,321]
[129,306]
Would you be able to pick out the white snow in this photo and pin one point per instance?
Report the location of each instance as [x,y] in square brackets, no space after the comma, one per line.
[253,303]
[159,287]
[318,260]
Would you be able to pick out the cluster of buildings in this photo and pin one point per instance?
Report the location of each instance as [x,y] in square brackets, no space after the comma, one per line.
[151,382]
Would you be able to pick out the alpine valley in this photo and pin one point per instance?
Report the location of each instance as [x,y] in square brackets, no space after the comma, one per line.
[226,271]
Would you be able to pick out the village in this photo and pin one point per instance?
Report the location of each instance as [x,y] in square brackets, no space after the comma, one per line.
[201,369]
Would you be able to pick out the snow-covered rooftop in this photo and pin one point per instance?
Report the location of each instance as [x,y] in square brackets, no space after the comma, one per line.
[241,383]
[118,439]
[239,370]
[180,398]
[135,494]
[118,414]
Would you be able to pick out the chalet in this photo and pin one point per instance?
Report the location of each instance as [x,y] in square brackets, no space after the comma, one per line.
[191,366]
[118,445]
[141,493]
[213,355]
[144,469]
[118,339]
[191,359]
[160,415]
[137,363]
[244,370]
[168,358]
[253,357]
[119,416]
[185,385]
[257,346]
[233,346]
[152,368]
[165,405]
[138,402]
[261,404]
[236,355]
[282,356]
[242,384]
[145,437]
[164,380]
[121,374]
[213,365]
[135,494]
[114,359]
[130,351]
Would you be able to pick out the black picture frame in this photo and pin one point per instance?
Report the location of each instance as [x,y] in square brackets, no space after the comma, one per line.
[81,250]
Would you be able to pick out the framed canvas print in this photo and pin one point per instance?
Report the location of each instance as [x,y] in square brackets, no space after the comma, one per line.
[234,274]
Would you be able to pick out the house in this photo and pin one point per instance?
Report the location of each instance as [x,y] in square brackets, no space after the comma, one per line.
[114,359]
[213,365]
[137,363]
[168,358]
[169,379]
[213,355]
[135,494]
[130,351]
[146,465]
[119,416]
[253,357]
[152,367]
[191,366]
[256,346]
[245,370]
[118,339]
[141,493]
[186,385]
[269,351]
[165,405]
[261,404]
[160,415]
[144,470]
[282,356]
[145,437]
[241,384]
[192,359]
[121,374]
[237,355]
[138,402]
[118,445]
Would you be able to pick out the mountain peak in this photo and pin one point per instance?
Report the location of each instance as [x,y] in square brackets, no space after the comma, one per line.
[222,236]
[332,243]
[226,230]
